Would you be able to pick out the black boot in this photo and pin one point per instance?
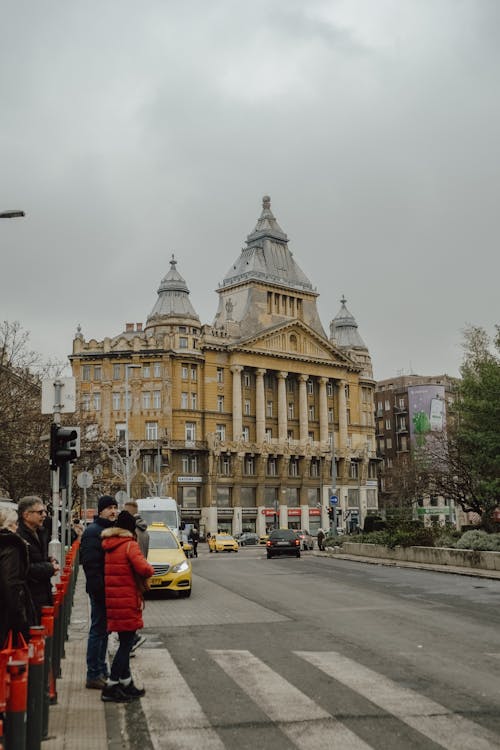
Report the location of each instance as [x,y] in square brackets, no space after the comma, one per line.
[132,691]
[115,693]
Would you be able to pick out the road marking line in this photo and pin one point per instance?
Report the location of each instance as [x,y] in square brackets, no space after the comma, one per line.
[448,729]
[174,716]
[305,723]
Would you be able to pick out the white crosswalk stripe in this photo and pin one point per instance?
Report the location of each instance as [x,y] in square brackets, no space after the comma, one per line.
[305,723]
[428,717]
[175,719]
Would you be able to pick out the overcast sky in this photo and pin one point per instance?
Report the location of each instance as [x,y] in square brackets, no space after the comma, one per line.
[133,130]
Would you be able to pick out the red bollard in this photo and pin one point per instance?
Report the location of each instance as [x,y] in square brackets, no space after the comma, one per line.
[4,658]
[15,717]
[48,682]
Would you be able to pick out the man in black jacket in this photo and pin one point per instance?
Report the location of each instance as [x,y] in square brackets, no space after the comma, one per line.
[32,513]
[92,559]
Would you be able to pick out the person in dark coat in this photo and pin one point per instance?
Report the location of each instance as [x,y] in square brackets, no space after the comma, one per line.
[125,573]
[31,513]
[17,612]
[321,540]
[194,538]
[92,559]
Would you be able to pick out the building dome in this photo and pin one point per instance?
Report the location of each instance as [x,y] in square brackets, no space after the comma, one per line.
[173,299]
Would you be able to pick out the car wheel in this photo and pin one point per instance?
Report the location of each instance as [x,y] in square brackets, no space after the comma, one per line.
[269,556]
[210,550]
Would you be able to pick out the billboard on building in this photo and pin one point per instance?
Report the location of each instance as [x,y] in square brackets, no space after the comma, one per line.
[427,410]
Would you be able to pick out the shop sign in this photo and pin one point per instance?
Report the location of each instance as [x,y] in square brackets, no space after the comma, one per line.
[268,512]
[294,511]
[433,511]
[314,512]
[188,480]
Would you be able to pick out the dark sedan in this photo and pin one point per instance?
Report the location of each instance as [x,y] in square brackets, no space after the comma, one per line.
[247,538]
[283,542]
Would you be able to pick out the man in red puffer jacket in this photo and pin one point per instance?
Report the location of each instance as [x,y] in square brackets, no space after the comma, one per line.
[124,565]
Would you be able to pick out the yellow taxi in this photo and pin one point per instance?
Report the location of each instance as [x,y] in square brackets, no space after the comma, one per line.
[172,568]
[263,538]
[223,543]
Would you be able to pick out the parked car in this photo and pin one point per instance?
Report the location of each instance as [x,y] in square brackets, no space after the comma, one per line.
[248,538]
[283,542]
[306,540]
[263,538]
[172,568]
[223,543]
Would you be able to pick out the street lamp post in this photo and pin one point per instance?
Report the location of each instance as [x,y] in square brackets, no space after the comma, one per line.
[127,410]
[334,482]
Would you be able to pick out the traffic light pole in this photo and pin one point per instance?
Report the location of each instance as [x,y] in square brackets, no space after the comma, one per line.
[334,482]
[55,548]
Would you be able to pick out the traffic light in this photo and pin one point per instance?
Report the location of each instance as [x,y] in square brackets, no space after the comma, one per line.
[330,514]
[64,445]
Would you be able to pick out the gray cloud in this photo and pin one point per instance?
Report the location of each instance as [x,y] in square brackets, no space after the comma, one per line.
[130,132]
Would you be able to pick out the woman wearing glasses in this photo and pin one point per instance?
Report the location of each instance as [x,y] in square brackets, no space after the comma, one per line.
[32,513]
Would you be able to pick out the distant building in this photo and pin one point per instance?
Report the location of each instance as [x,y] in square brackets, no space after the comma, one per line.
[237,419]
[408,408]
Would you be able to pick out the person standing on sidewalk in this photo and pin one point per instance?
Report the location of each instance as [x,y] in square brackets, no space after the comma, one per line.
[125,573]
[17,612]
[142,536]
[31,519]
[92,559]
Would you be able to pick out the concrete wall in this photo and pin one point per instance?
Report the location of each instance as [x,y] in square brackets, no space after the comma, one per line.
[460,558]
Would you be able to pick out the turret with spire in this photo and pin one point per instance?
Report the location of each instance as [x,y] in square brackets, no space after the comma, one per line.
[345,335]
[173,304]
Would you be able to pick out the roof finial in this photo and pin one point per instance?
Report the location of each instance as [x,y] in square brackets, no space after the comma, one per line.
[266,202]
[343,300]
[173,262]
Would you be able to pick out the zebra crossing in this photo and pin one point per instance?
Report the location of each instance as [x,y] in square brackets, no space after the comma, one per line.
[177,720]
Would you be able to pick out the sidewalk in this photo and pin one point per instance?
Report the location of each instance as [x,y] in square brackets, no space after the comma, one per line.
[77,721]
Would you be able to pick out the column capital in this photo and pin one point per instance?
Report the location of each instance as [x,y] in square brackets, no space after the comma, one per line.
[303,378]
[260,372]
[323,380]
[282,375]
[236,368]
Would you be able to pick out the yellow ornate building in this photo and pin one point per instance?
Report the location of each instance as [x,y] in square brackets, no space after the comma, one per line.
[237,419]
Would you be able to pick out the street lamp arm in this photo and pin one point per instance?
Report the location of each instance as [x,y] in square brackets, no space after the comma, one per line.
[11,214]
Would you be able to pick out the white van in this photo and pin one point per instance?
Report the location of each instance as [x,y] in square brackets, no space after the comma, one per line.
[161,510]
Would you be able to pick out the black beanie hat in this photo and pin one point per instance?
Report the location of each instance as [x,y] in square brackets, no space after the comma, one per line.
[126,521]
[106,501]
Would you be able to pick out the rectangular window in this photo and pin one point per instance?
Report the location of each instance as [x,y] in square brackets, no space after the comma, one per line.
[371,499]
[183,342]
[249,466]
[117,372]
[246,407]
[157,370]
[246,434]
[120,429]
[185,463]
[220,431]
[184,372]
[194,373]
[184,400]
[225,465]
[347,392]
[146,400]
[194,464]
[388,443]
[353,470]
[290,385]
[329,389]
[271,467]
[156,399]
[372,470]
[389,463]
[85,401]
[311,412]
[269,433]
[387,405]
[128,400]
[146,463]
[97,372]
[401,403]
[404,443]
[290,410]
[190,431]
[246,379]
[293,467]
[97,401]
[220,403]
[310,387]
[387,424]
[220,375]
[151,430]
[194,401]
[86,372]
[330,415]
[314,468]
[117,400]
[348,411]
[269,409]
[146,370]
[353,498]
[223,497]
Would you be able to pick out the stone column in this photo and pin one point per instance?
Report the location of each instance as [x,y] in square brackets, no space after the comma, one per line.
[323,411]
[282,411]
[237,410]
[260,409]
[342,417]
[303,420]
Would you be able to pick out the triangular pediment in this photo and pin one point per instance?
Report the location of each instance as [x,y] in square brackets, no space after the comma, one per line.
[294,339]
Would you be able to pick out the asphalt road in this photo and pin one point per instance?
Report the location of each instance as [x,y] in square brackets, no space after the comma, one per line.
[317,653]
